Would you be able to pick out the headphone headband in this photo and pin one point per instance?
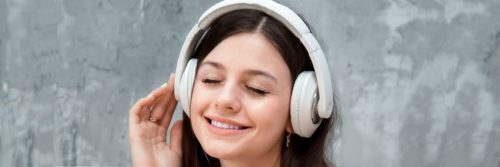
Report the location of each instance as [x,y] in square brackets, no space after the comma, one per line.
[287,17]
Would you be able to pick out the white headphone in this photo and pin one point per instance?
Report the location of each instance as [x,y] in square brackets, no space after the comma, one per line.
[312,94]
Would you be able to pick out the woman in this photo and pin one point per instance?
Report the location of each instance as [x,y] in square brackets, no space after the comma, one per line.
[239,110]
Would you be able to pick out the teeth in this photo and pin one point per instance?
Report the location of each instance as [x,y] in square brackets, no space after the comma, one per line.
[225,126]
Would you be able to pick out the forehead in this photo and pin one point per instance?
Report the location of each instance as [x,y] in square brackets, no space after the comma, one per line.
[249,51]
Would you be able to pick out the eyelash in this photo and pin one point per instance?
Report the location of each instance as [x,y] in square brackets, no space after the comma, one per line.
[210,81]
[257,91]
[251,89]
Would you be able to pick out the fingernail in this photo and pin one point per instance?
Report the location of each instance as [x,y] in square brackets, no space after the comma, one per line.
[171,76]
[169,79]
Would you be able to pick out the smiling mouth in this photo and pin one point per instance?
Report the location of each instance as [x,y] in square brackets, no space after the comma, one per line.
[223,125]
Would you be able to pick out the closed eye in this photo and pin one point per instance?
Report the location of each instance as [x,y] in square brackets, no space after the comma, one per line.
[210,81]
[257,90]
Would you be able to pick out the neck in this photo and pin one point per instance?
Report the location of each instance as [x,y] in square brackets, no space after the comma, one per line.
[267,162]
[271,159]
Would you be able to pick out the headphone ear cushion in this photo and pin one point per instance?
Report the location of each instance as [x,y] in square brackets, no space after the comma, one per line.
[186,85]
[303,105]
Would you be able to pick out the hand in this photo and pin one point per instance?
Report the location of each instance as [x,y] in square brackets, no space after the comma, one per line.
[148,124]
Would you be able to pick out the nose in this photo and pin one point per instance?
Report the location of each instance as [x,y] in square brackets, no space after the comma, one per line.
[228,100]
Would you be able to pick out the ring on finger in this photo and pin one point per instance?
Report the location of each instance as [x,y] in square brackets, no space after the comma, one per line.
[154,120]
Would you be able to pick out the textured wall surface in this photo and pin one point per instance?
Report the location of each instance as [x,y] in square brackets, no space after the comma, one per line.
[418,79]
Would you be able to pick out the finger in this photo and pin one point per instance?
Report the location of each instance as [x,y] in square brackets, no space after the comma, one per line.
[176,137]
[165,122]
[136,113]
[145,110]
[159,92]
[160,108]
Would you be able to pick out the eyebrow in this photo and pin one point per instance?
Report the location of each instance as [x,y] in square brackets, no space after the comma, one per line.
[213,64]
[251,72]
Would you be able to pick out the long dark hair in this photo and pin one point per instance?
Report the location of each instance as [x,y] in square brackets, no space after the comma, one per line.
[302,151]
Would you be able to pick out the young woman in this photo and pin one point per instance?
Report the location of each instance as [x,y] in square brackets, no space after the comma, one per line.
[239,110]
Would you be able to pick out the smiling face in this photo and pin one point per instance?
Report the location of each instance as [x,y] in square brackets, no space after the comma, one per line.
[241,98]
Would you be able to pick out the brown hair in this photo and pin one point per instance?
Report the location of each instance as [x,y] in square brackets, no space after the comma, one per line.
[302,151]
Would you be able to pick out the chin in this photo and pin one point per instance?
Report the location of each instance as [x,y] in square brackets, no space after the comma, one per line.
[222,151]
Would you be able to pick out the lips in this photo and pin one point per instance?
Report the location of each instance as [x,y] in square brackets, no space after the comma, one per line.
[226,124]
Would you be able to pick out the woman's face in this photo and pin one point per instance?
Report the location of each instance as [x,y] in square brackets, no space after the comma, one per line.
[241,98]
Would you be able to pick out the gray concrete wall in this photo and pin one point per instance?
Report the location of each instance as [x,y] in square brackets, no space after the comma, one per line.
[418,79]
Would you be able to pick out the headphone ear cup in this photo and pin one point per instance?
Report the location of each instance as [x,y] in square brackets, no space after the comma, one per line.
[186,85]
[303,105]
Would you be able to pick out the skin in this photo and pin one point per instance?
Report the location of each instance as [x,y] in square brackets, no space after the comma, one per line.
[243,81]
[148,146]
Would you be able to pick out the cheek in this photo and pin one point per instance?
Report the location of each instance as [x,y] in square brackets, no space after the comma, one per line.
[199,103]
[198,99]
[270,120]
[270,115]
